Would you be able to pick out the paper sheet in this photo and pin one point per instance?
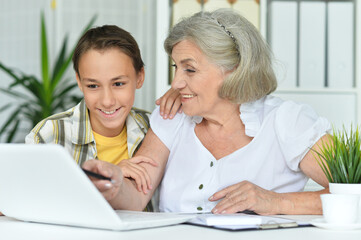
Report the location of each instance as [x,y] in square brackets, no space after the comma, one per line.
[241,221]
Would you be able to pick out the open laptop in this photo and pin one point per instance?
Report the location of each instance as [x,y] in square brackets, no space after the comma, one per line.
[42,183]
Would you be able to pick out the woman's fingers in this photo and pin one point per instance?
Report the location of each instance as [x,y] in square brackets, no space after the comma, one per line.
[176,108]
[169,104]
[245,196]
[221,194]
[233,202]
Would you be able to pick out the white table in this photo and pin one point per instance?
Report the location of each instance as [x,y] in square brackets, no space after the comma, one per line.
[13,229]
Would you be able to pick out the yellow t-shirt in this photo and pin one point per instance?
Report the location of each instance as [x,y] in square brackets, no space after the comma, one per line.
[112,149]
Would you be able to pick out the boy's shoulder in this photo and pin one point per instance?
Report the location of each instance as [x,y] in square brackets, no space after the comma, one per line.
[62,116]
[141,116]
[57,122]
[140,111]
[47,129]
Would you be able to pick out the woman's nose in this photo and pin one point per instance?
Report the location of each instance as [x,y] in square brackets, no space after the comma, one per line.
[178,82]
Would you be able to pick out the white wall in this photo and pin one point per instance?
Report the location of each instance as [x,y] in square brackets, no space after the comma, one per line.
[314,43]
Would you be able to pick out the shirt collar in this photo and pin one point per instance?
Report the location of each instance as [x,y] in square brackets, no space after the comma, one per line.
[136,130]
[81,129]
[251,114]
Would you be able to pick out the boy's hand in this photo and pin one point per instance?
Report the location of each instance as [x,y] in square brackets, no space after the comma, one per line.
[109,189]
[131,169]
[170,103]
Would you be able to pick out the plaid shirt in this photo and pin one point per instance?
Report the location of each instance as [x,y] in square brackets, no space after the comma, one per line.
[72,129]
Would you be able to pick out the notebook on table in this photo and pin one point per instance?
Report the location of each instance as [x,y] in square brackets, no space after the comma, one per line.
[242,221]
[42,183]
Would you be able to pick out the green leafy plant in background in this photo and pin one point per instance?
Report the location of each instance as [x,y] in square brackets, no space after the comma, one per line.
[43,97]
[340,158]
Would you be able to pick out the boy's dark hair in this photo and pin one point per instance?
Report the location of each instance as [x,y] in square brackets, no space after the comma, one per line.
[107,37]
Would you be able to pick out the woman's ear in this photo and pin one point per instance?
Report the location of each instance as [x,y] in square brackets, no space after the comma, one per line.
[78,81]
[140,78]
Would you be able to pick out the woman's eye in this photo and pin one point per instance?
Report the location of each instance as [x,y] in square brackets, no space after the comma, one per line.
[189,70]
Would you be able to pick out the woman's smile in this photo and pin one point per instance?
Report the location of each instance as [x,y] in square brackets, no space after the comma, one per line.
[186,97]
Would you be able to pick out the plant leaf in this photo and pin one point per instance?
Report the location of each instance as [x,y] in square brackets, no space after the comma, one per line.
[9,71]
[5,107]
[12,93]
[60,60]
[44,54]
[10,120]
[13,131]
[341,159]
[64,66]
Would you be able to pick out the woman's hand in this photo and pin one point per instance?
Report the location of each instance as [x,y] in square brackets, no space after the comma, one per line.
[131,169]
[246,196]
[170,103]
[109,189]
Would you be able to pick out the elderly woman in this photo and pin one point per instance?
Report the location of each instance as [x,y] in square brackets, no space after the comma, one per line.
[235,148]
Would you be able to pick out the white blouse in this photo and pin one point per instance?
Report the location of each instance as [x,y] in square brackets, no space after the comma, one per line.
[282,131]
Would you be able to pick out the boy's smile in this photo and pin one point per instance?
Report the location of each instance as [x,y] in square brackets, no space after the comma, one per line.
[109,114]
[108,81]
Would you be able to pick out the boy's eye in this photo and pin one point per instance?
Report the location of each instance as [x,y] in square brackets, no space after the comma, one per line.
[92,86]
[118,84]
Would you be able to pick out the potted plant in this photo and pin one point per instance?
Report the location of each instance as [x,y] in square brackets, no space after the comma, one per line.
[42,97]
[340,160]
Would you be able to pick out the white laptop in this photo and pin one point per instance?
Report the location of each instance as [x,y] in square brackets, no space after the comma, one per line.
[42,183]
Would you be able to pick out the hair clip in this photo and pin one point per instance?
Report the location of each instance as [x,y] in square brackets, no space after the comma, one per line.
[229,34]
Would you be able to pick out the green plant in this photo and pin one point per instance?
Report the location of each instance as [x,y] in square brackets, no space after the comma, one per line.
[340,158]
[39,98]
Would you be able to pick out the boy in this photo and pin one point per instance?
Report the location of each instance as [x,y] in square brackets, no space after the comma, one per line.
[104,126]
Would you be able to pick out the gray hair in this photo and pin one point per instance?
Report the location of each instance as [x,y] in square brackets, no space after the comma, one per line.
[231,42]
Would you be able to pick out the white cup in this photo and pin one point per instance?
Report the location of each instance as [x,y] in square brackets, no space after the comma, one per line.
[347,188]
[340,208]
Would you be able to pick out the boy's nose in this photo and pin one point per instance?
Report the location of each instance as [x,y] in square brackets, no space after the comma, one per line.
[108,99]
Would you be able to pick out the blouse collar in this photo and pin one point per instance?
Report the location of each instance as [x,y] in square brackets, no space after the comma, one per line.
[251,114]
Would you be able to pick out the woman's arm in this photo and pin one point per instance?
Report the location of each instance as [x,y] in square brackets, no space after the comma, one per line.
[247,196]
[122,193]
[310,166]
